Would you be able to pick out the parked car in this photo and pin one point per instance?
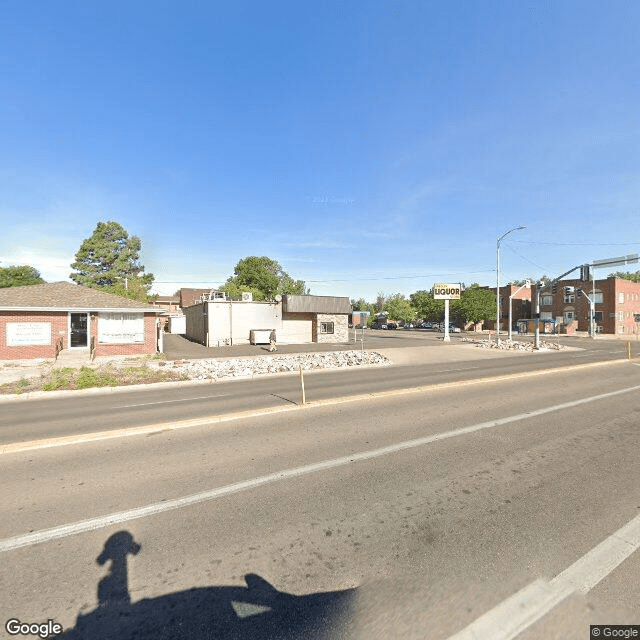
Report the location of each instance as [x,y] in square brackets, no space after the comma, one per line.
[452,328]
[391,325]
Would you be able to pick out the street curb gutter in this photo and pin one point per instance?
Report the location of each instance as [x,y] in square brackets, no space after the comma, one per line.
[18,447]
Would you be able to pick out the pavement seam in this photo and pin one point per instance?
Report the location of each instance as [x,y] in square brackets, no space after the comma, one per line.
[47,443]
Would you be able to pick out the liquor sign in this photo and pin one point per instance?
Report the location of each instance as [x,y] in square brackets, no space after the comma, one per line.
[28,333]
[447,291]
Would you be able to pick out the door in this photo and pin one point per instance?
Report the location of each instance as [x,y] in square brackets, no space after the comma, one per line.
[78,330]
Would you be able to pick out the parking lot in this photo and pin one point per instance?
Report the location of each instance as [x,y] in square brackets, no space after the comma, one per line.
[177,347]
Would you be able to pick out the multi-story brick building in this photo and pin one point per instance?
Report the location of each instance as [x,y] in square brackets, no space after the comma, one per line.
[617,303]
[520,306]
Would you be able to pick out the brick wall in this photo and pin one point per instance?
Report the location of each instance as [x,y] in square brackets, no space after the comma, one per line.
[59,328]
[59,321]
[613,316]
[624,322]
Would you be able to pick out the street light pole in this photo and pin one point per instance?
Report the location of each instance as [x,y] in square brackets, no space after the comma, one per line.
[498,279]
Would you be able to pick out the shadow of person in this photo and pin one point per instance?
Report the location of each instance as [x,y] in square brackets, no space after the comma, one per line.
[113,589]
[258,611]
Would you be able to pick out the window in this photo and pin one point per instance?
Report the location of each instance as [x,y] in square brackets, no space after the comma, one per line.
[547,300]
[599,298]
[621,297]
[598,316]
[569,297]
[568,316]
[326,327]
[120,328]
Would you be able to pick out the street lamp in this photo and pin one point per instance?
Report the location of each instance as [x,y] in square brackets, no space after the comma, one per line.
[498,280]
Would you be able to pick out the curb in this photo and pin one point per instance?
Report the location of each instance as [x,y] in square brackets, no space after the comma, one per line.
[172,384]
[19,447]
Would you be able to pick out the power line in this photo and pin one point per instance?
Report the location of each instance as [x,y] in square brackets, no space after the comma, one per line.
[537,266]
[355,280]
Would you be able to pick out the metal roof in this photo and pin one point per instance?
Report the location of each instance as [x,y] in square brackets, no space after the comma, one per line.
[316,304]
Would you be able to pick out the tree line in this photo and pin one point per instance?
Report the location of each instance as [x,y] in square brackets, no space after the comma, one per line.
[475,305]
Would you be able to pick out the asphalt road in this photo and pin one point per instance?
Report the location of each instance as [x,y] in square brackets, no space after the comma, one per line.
[430,515]
[77,413]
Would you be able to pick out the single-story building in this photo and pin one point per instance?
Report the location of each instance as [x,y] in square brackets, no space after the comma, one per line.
[40,320]
[295,319]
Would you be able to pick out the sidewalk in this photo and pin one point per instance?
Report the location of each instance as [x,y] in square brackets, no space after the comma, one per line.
[13,371]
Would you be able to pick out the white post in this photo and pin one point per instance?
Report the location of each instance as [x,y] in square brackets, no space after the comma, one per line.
[447,338]
[304,400]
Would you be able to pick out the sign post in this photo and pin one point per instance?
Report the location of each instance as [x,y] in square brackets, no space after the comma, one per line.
[446,292]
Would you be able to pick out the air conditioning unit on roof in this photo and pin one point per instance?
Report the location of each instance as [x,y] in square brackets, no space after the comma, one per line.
[247,296]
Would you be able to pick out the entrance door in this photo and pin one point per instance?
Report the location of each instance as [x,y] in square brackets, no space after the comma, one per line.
[78,330]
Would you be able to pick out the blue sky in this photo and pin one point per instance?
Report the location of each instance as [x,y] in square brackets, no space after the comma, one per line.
[367,146]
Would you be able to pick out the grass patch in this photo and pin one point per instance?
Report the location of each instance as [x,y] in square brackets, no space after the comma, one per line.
[87,378]
[59,379]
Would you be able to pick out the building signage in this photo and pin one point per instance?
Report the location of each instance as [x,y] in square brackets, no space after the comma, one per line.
[21,334]
[446,291]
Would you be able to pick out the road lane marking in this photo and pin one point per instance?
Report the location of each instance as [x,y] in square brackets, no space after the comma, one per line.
[518,612]
[91,524]
[146,404]
[84,438]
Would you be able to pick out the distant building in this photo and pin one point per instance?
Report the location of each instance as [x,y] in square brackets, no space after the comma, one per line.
[617,303]
[189,297]
[520,306]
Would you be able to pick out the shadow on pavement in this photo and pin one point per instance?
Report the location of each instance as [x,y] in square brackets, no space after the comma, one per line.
[255,612]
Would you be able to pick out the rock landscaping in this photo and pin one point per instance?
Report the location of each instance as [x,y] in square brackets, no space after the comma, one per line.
[264,365]
[513,345]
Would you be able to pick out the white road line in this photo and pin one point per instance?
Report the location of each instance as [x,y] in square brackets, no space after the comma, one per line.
[45,535]
[527,606]
[461,369]
[146,404]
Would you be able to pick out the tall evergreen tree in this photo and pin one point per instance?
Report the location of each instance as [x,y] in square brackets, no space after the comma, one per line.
[109,259]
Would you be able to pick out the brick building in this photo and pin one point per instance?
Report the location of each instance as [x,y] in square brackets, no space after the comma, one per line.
[520,306]
[40,320]
[617,301]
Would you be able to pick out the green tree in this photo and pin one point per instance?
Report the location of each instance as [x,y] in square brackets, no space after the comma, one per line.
[19,276]
[362,305]
[634,276]
[234,292]
[476,304]
[426,306]
[266,276]
[110,258]
[132,288]
[399,308]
